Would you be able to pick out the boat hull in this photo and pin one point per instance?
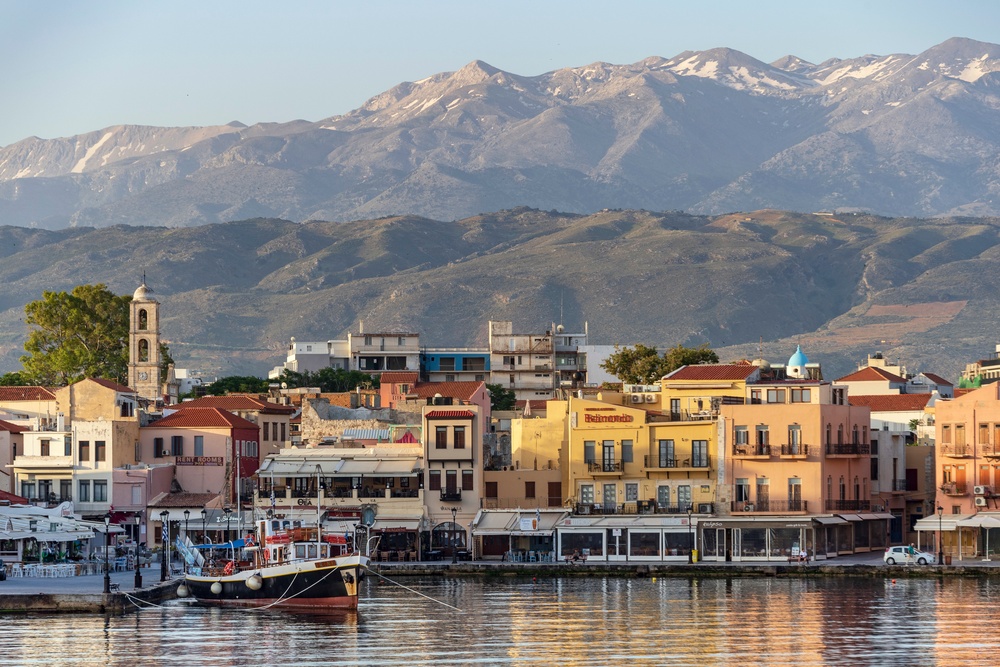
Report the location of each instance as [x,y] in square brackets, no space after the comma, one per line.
[329,583]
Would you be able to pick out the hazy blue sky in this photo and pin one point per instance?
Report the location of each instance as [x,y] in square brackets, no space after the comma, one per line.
[74,67]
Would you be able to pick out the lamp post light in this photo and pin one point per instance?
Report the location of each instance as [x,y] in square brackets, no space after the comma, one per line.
[940,511]
[138,575]
[691,536]
[187,515]
[107,546]
[228,512]
[204,524]
[165,537]
[454,536]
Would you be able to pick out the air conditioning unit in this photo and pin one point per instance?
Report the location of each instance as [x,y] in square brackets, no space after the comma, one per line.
[981,490]
[704,508]
[651,398]
[165,452]
[980,501]
[637,398]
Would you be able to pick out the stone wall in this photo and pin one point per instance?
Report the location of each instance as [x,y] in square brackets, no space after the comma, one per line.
[321,420]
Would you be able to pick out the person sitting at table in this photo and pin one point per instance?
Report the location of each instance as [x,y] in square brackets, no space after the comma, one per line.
[576,558]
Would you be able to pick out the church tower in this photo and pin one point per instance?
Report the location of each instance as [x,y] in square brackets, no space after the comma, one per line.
[144,344]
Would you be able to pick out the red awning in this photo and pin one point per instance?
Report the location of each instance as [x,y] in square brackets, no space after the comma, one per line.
[10,497]
[408,437]
[451,414]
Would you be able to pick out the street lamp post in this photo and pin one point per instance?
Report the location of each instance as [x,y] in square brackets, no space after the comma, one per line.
[454,536]
[107,546]
[940,511]
[691,536]
[204,524]
[187,515]
[138,575]
[228,512]
[165,537]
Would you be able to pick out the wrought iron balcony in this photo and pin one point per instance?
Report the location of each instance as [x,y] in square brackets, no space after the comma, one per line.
[848,449]
[605,466]
[451,496]
[848,505]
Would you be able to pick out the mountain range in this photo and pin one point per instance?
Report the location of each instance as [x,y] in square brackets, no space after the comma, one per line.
[706,132]
[925,291]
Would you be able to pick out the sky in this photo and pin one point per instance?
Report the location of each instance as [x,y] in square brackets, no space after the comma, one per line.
[74,67]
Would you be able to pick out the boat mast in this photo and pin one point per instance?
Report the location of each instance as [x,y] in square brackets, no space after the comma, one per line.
[319,540]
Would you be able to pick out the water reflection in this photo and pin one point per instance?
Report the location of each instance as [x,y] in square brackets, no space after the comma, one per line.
[565,621]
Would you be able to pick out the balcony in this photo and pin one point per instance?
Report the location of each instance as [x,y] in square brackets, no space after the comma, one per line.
[990,451]
[847,450]
[751,451]
[520,503]
[683,415]
[664,463]
[900,486]
[764,506]
[848,505]
[453,496]
[605,467]
[956,451]
[794,451]
[641,507]
[955,489]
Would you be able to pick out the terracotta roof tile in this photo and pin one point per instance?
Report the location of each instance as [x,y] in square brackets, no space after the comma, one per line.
[464,390]
[203,418]
[451,414]
[26,394]
[10,497]
[183,499]
[110,384]
[891,402]
[937,379]
[713,372]
[237,403]
[398,376]
[11,428]
[872,374]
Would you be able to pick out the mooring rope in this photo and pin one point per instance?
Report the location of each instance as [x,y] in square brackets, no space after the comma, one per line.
[377,574]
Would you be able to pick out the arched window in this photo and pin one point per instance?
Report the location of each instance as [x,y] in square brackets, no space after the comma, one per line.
[843,489]
[143,319]
[829,435]
[854,435]
[448,536]
[840,434]
[829,487]
[857,489]
[143,350]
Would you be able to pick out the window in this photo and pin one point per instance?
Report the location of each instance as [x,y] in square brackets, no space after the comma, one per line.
[775,395]
[960,435]
[100,450]
[400,341]
[829,435]
[699,453]
[28,490]
[946,435]
[741,436]
[158,450]
[763,437]
[85,451]
[529,489]
[608,455]
[854,435]
[984,434]
[44,445]
[447,363]
[434,480]
[451,481]
[283,425]
[100,491]
[65,489]
[666,454]
[459,437]
[265,431]
[631,492]
[143,350]
[587,494]
[449,377]
[508,361]
[467,480]
[440,437]
[84,490]
[177,445]
[801,395]
[199,445]
[663,496]
[874,468]
[626,451]
[742,489]
[794,438]
[755,397]
[840,434]
[67,445]
[589,451]
[143,319]
[794,494]
[492,489]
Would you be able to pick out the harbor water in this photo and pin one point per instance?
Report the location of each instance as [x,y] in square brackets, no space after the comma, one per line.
[564,621]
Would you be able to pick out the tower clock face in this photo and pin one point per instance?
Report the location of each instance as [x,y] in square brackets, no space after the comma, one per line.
[143,375]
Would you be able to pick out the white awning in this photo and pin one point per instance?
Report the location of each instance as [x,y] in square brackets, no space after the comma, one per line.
[947,522]
[397,467]
[981,520]
[509,522]
[396,524]
[828,520]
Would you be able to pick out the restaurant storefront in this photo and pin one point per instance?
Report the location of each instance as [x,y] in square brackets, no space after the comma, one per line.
[518,536]
[750,539]
[625,539]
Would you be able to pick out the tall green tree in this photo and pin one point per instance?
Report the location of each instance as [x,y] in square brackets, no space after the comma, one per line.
[237,384]
[501,398]
[14,379]
[83,333]
[644,365]
[165,361]
[328,379]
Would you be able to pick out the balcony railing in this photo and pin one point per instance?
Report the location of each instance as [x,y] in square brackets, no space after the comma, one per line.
[900,485]
[451,496]
[848,505]
[955,489]
[664,463]
[795,450]
[755,451]
[770,506]
[640,507]
[848,449]
[605,466]
[522,503]
[956,451]
[684,415]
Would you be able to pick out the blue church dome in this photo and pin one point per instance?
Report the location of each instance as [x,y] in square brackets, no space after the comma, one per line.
[799,359]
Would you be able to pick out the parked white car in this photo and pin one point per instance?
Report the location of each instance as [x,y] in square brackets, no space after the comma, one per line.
[904,556]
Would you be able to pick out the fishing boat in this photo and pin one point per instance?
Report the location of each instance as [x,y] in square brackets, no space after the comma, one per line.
[281,564]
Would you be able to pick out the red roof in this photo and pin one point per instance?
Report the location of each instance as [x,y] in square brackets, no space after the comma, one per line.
[891,402]
[203,418]
[10,497]
[713,372]
[395,377]
[26,394]
[451,414]
[110,384]
[872,374]
[11,428]
[408,437]
[464,390]
[238,403]
[536,404]
[937,379]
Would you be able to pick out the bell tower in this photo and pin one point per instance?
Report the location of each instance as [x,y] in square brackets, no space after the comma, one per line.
[144,344]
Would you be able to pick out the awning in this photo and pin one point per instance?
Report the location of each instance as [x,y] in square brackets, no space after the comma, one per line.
[850,517]
[883,515]
[451,414]
[948,522]
[286,468]
[397,467]
[871,517]
[235,544]
[390,525]
[512,522]
[981,520]
[828,520]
